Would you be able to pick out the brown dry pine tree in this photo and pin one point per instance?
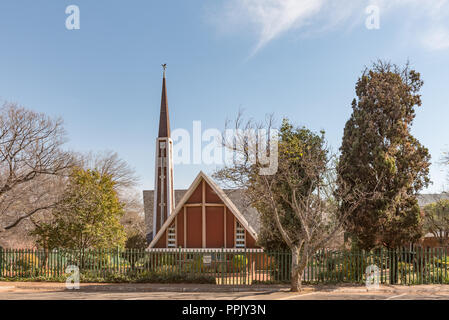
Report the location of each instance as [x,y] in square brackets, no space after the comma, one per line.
[379,153]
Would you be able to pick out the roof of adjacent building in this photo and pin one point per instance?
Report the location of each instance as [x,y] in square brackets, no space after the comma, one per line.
[425,199]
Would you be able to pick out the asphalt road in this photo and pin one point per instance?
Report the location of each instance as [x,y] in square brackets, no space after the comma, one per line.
[369,296]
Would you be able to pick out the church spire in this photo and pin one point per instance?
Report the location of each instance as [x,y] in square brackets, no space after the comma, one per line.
[164,196]
[164,120]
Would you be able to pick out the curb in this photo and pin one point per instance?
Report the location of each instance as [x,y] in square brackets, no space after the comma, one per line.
[140,288]
[7,287]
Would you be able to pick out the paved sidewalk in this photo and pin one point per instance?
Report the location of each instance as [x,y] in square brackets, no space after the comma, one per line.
[144,291]
[153,287]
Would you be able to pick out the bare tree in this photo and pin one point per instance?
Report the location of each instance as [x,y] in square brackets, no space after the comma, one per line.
[300,197]
[133,219]
[34,170]
[109,162]
[445,161]
[436,220]
[31,162]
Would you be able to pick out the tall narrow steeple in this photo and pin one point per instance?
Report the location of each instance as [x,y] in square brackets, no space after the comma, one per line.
[164,200]
[164,120]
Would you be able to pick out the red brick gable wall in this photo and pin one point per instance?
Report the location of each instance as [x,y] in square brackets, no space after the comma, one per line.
[205,206]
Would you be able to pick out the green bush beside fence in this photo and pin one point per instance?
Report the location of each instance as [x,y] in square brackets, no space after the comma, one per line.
[221,266]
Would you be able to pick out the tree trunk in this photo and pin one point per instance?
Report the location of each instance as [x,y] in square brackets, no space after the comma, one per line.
[299,263]
[81,260]
[43,264]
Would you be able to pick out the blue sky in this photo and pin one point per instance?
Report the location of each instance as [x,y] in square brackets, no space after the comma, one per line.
[297,58]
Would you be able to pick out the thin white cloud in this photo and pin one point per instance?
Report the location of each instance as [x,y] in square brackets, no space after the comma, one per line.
[429,19]
[436,39]
[277,16]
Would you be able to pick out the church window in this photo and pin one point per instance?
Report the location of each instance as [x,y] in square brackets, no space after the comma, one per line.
[239,235]
[171,236]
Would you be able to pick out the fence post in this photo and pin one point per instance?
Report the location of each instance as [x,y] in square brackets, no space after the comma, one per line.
[391,263]
[2,263]
[228,267]
[245,254]
[409,268]
[420,265]
[7,266]
[21,262]
[426,254]
[434,265]
[50,263]
[381,265]
[445,265]
[429,265]
[400,266]
[439,266]
[222,265]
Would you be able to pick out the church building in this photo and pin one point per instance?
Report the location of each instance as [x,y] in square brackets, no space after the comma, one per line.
[202,217]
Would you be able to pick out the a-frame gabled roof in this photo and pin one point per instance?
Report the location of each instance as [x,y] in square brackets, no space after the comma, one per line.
[221,194]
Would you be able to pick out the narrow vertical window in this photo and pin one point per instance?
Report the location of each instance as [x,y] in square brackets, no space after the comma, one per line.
[171,236]
[239,235]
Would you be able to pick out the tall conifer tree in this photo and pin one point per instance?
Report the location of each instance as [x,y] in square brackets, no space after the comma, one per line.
[380,155]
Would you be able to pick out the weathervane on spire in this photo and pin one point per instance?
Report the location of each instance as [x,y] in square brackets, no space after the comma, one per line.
[164,66]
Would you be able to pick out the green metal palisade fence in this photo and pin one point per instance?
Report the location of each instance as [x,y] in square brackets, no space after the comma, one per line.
[232,266]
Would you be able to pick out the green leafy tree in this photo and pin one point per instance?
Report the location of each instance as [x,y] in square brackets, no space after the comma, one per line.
[292,142]
[87,216]
[380,155]
[436,220]
[291,138]
[297,206]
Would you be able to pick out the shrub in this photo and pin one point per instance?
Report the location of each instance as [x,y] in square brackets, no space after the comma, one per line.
[27,263]
[439,275]
[239,262]
[333,276]
[109,277]
[353,267]
[196,264]
[404,269]
[164,259]
[146,277]
[441,263]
